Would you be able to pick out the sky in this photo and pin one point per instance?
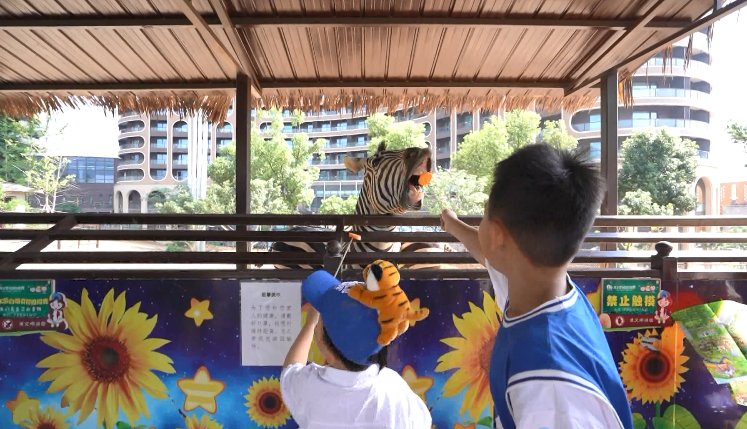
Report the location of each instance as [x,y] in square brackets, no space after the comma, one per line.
[93,132]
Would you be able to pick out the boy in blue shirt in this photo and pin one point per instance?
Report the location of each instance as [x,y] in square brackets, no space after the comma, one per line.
[551,365]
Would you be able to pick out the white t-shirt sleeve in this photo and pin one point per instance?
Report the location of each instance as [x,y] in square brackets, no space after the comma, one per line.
[540,404]
[500,286]
[291,378]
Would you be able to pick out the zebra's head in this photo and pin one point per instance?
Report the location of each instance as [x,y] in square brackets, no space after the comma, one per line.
[390,181]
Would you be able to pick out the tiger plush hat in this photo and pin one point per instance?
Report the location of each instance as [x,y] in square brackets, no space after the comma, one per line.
[381,291]
[362,317]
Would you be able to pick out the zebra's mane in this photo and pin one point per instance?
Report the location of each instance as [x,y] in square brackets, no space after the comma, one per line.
[381,148]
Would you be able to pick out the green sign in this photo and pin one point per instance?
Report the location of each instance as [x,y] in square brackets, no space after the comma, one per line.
[628,303]
[24,305]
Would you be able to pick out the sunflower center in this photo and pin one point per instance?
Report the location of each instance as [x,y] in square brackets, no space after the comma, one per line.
[485,353]
[654,367]
[106,359]
[46,425]
[269,402]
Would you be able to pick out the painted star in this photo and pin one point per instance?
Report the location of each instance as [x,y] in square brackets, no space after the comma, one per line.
[198,311]
[201,391]
[419,385]
[22,407]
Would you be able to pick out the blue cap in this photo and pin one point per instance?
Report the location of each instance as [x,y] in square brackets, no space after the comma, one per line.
[352,327]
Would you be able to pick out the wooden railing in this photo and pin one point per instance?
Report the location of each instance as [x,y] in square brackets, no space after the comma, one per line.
[39,245]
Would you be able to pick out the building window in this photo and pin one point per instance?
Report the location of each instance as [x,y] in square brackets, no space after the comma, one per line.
[595,151]
[158,125]
[158,142]
[180,127]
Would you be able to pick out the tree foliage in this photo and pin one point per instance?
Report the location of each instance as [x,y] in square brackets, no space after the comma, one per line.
[737,132]
[338,205]
[281,176]
[662,165]
[639,202]
[18,147]
[48,181]
[457,190]
[397,135]
[500,137]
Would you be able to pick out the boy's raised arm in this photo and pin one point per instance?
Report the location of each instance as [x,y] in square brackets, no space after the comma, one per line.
[299,351]
[466,234]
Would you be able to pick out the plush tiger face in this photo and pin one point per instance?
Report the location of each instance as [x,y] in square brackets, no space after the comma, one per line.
[381,275]
[391,181]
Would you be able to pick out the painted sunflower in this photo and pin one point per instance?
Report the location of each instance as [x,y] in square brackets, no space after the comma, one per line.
[315,355]
[471,356]
[652,369]
[49,418]
[205,422]
[265,404]
[106,361]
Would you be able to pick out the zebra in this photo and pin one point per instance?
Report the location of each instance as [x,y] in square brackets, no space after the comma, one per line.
[390,187]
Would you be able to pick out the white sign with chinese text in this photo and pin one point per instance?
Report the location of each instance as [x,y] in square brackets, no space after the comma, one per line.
[270,321]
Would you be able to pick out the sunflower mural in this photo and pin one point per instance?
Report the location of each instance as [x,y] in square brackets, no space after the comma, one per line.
[471,357]
[107,360]
[265,404]
[651,371]
[204,422]
[315,355]
[27,413]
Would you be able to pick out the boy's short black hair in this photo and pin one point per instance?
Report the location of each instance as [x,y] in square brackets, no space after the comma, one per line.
[547,199]
[379,358]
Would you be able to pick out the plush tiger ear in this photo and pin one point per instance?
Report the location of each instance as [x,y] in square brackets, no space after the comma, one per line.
[353,164]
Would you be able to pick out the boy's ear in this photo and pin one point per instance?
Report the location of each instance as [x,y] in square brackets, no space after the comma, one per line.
[497,234]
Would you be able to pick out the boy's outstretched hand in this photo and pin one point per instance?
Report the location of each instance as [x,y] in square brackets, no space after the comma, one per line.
[448,218]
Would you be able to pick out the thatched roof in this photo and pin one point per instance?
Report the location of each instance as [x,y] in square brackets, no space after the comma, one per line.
[185,55]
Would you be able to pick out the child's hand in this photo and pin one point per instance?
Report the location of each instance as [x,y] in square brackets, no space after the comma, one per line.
[448,217]
[312,316]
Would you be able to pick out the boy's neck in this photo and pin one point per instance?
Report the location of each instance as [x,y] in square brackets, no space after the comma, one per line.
[530,286]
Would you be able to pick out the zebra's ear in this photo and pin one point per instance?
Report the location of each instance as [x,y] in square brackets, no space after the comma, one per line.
[353,164]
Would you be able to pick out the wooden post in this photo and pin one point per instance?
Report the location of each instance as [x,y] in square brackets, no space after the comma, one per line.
[608,117]
[243,154]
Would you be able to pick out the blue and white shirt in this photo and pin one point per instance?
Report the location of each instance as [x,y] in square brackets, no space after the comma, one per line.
[552,367]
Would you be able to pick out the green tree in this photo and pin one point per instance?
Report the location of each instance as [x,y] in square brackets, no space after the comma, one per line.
[737,132]
[396,135]
[18,147]
[47,179]
[555,134]
[456,190]
[480,150]
[338,205]
[500,137]
[281,176]
[522,127]
[662,165]
[639,202]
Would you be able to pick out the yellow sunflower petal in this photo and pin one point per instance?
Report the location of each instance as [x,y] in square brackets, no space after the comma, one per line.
[105,310]
[64,342]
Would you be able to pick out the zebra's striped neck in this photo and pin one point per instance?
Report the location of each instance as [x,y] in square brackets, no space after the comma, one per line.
[362,209]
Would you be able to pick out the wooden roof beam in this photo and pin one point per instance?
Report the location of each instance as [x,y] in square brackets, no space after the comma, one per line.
[217,46]
[652,49]
[241,50]
[609,45]
[414,84]
[175,21]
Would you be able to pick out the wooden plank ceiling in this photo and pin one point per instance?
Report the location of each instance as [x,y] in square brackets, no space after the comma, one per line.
[314,54]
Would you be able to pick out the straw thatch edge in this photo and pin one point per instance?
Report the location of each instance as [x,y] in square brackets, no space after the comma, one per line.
[214,105]
[370,101]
